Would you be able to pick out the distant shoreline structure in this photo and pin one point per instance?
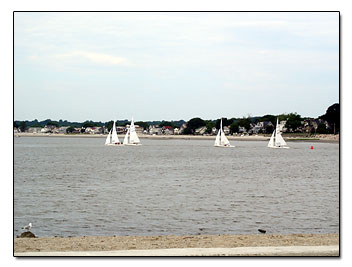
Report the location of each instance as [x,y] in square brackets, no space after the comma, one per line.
[327,138]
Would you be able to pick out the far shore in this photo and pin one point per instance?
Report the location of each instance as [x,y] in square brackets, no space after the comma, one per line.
[329,138]
[109,243]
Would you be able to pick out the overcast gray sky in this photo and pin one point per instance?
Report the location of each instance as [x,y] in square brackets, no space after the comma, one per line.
[171,66]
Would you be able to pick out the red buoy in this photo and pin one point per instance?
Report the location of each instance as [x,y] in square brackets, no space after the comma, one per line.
[311,147]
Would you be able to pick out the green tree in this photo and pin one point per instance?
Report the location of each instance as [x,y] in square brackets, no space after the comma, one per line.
[332,116]
[109,125]
[293,121]
[270,118]
[234,127]
[70,129]
[89,124]
[321,129]
[225,122]
[245,122]
[142,124]
[193,124]
[53,123]
[209,124]
[187,131]
[269,129]
[23,126]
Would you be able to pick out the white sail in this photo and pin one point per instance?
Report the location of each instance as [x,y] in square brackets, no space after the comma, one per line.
[108,139]
[133,135]
[125,140]
[217,139]
[271,142]
[221,139]
[134,138]
[114,139]
[276,140]
[279,141]
[224,141]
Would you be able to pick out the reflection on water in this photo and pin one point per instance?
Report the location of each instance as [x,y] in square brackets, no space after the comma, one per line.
[78,186]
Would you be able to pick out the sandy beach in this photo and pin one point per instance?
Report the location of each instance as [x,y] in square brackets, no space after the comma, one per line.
[110,243]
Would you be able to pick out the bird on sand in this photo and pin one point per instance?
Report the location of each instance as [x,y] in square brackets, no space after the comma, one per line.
[28,227]
[262,231]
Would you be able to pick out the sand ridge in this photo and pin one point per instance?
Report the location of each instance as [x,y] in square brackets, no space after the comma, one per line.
[108,243]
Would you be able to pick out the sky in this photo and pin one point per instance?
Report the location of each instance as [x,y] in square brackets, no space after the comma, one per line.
[79,66]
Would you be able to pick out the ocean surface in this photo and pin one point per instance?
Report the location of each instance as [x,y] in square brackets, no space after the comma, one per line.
[79,187]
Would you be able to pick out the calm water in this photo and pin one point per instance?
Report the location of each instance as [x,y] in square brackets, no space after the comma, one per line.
[78,186]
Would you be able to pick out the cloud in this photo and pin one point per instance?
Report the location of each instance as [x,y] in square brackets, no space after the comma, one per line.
[97,58]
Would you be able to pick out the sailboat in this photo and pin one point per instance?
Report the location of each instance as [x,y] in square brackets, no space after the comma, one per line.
[131,137]
[221,139]
[276,140]
[112,139]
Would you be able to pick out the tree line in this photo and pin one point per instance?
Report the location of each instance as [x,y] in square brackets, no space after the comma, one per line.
[293,121]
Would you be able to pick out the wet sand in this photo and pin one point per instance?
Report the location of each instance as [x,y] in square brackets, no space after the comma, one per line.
[109,243]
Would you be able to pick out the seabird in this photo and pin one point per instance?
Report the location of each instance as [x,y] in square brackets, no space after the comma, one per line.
[28,227]
[262,231]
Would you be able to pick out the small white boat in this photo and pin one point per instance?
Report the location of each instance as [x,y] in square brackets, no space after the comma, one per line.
[221,139]
[113,139]
[131,137]
[276,140]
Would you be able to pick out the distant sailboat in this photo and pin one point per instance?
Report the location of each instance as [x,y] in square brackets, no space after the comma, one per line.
[112,139]
[221,139]
[276,140]
[131,137]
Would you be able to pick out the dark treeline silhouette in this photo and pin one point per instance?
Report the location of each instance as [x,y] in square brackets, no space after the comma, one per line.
[293,122]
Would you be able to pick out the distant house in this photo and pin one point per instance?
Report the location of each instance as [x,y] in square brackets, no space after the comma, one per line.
[200,130]
[307,125]
[34,129]
[260,127]
[62,130]
[242,129]
[282,126]
[226,130]
[311,125]
[167,130]
[267,124]
[177,131]
[155,129]
[256,128]
[139,129]
[95,130]
[89,130]
[77,130]
[214,131]
[120,129]
[49,129]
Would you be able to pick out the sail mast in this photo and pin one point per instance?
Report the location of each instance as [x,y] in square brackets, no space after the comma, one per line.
[221,131]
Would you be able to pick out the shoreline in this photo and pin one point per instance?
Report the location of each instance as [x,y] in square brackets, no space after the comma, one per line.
[317,138]
[114,243]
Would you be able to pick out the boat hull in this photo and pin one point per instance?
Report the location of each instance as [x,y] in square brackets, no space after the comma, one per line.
[278,147]
[132,144]
[114,144]
[223,146]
